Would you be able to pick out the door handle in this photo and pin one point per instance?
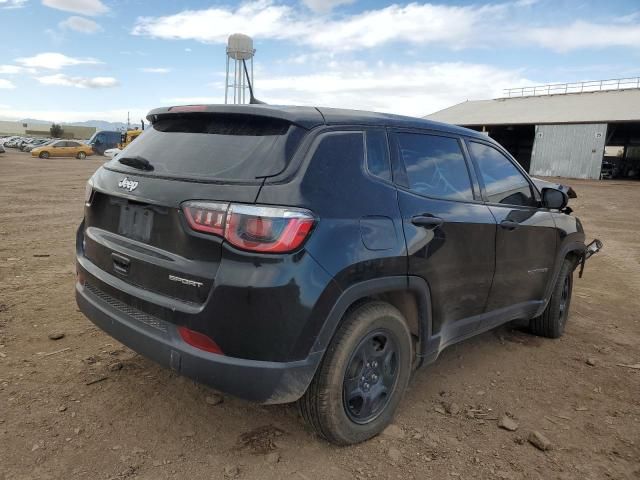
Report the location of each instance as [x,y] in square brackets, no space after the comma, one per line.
[427,222]
[509,225]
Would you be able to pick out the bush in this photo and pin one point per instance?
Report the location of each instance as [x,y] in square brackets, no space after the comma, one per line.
[56,130]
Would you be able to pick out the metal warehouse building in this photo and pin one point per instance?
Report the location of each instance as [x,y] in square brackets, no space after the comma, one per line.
[39,129]
[565,130]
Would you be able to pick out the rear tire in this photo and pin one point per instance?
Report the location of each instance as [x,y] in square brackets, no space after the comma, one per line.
[362,377]
[81,156]
[552,322]
[44,155]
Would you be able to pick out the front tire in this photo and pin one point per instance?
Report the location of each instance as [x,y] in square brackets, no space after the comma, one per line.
[552,322]
[362,377]
[81,156]
[44,155]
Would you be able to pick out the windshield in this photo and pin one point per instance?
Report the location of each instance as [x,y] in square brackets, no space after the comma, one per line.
[214,147]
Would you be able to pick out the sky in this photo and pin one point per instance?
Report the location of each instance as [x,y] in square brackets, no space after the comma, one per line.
[77,60]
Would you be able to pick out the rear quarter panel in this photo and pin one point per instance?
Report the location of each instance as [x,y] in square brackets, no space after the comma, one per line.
[358,235]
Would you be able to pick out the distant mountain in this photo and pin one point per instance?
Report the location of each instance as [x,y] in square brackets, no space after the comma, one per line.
[34,120]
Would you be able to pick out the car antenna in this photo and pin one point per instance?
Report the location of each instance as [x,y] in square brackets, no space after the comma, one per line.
[252,100]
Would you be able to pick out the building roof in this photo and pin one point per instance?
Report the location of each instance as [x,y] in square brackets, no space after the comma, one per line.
[310,117]
[588,107]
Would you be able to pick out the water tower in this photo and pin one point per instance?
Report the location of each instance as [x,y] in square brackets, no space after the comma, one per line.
[240,51]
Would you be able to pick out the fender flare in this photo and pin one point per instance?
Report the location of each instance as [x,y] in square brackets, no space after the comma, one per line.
[570,246]
[417,285]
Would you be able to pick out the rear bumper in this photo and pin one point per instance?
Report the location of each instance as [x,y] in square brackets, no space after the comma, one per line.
[158,340]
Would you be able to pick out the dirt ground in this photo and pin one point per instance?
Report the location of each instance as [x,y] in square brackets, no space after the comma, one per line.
[84,406]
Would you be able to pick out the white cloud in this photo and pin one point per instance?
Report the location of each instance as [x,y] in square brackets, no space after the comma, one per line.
[453,26]
[155,70]
[80,24]
[63,80]
[260,19]
[14,70]
[83,7]
[54,61]
[324,6]
[417,89]
[581,34]
[6,84]
[417,24]
[414,23]
[9,4]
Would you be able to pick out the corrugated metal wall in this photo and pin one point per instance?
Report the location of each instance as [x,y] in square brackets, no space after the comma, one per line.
[573,151]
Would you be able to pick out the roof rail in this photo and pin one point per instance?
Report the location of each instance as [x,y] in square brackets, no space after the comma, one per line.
[577,87]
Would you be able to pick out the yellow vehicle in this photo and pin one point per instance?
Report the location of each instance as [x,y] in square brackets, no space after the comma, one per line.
[63,148]
[128,137]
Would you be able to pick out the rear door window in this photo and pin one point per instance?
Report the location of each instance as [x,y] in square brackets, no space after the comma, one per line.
[503,182]
[215,147]
[435,166]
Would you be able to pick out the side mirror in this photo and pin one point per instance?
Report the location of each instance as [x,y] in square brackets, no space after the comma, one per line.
[554,199]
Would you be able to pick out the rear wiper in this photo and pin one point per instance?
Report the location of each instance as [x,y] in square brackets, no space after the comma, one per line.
[136,162]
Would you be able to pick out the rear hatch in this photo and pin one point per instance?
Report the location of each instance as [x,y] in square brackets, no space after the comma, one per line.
[135,229]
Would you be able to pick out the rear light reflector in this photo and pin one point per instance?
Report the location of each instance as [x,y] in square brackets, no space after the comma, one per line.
[199,340]
[252,227]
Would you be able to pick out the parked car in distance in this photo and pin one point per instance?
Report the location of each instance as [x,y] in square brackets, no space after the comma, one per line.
[112,152]
[7,139]
[287,254]
[24,141]
[13,142]
[104,140]
[63,148]
[27,147]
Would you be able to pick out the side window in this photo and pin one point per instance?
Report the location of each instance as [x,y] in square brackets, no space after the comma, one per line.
[72,144]
[435,166]
[337,154]
[502,180]
[60,144]
[378,154]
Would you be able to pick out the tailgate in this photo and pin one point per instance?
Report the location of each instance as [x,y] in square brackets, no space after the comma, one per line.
[140,235]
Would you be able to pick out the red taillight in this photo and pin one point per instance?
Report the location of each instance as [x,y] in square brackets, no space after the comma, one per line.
[267,229]
[252,227]
[188,108]
[207,217]
[199,340]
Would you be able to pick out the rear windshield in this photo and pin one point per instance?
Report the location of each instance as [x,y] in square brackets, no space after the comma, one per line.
[213,147]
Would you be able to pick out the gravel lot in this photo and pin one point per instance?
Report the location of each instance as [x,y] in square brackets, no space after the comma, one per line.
[83,406]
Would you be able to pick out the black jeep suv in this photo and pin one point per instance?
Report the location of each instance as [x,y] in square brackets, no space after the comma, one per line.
[320,255]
